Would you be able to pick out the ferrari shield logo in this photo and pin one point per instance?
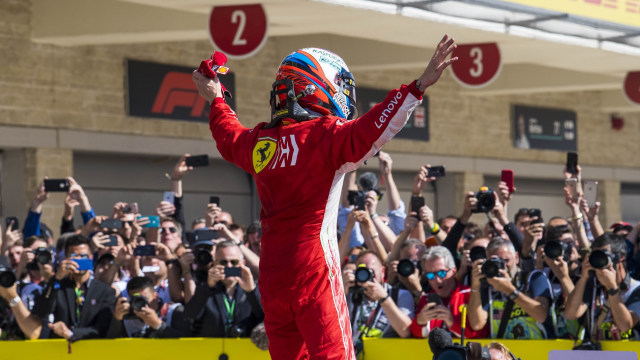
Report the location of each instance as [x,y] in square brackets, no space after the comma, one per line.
[263,153]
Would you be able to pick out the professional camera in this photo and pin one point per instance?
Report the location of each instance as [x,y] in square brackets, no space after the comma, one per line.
[7,277]
[556,248]
[203,257]
[406,267]
[43,255]
[600,259]
[363,274]
[491,268]
[444,349]
[486,200]
[137,302]
[356,198]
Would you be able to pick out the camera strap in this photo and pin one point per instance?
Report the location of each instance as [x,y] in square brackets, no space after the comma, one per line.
[505,318]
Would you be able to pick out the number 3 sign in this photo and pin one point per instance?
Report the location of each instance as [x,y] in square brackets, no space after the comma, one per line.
[478,64]
[239,31]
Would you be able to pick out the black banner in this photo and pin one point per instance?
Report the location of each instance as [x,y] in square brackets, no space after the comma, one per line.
[416,128]
[544,128]
[167,91]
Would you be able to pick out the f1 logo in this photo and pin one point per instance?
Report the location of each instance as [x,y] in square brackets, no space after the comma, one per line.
[178,90]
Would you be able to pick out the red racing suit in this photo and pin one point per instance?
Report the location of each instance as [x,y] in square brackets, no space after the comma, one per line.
[299,170]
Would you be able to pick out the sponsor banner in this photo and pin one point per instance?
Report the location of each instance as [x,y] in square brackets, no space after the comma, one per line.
[544,128]
[167,91]
[625,12]
[417,128]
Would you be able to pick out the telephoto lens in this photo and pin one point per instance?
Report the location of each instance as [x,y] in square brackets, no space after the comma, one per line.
[491,268]
[7,277]
[477,253]
[138,303]
[203,257]
[363,274]
[600,259]
[406,267]
[554,248]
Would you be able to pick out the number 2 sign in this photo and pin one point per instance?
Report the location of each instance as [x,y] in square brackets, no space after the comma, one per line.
[239,31]
[478,64]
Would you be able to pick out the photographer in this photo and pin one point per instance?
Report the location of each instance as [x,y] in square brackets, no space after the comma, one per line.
[611,298]
[375,308]
[80,306]
[141,315]
[228,304]
[369,185]
[11,303]
[517,303]
[441,306]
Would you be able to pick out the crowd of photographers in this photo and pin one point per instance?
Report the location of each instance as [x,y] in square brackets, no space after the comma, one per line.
[405,273]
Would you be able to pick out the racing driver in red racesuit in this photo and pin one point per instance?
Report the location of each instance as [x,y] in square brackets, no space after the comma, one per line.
[298,162]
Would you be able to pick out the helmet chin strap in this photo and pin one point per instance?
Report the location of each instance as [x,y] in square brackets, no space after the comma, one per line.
[292,109]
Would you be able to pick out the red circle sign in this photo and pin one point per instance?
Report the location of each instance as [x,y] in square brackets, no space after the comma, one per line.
[239,31]
[478,64]
[632,87]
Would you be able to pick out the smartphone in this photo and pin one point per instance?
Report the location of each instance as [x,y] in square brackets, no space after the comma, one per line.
[535,213]
[201,235]
[416,203]
[590,192]
[197,160]
[134,208]
[572,163]
[507,177]
[144,250]
[56,185]
[356,198]
[232,271]
[154,221]
[214,200]
[572,184]
[168,196]
[436,171]
[15,225]
[84,264]
[434,298]
[111,224]
[113,241]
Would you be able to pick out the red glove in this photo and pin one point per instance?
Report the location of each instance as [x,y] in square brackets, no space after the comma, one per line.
[211,67]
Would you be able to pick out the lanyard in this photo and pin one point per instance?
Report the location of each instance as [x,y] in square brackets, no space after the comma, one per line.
[230,309]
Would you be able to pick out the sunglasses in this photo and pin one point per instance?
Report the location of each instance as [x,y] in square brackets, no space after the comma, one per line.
[171,230]
[225,262]
[440,273]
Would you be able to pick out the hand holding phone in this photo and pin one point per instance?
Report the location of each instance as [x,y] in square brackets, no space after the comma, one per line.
[15,225]
[572,163]
[154,221]
[169,197]
[197,160]
[434,298]
[417,202]
[83,264]
[590,192]
[214,200]
[436,171]
[572,185]
[144,250]
[507,177]
[56,185]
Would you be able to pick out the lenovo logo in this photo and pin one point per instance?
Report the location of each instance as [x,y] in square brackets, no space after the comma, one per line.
[177,89]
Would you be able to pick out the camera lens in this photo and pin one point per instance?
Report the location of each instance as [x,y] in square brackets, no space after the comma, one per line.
[486,200]
[553,249]
[477,252]
[203,257]
[43,256]
[363,274]
[138,303]
[406,267]
[491,268]
[599,259]
[7,278]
